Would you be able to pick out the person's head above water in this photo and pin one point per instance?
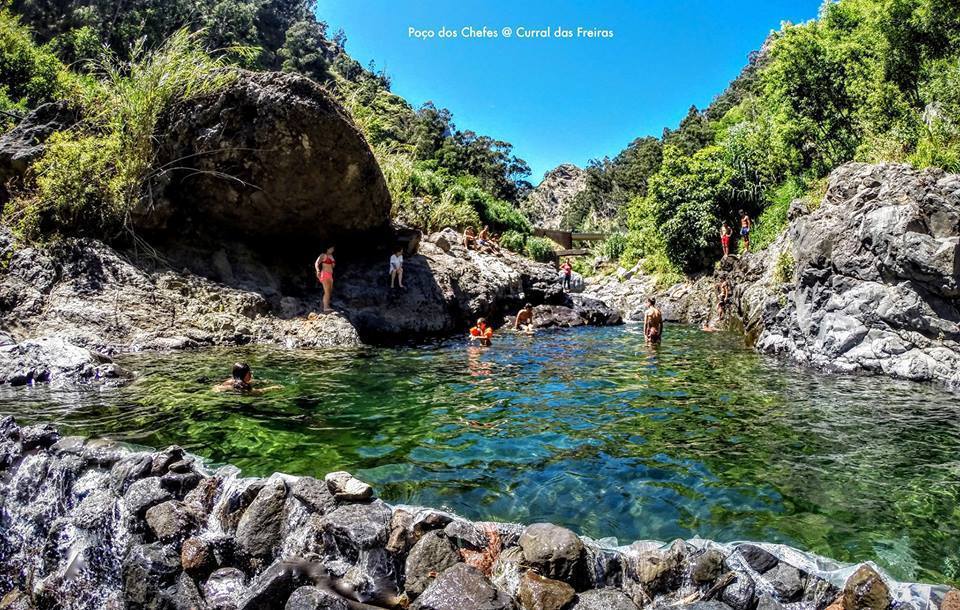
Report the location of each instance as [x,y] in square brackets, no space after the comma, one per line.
[481,321]
[241,372]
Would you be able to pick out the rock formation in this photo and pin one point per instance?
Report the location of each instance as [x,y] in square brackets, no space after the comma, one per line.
[548,203]
[94,524]
[271,160]
[867,282]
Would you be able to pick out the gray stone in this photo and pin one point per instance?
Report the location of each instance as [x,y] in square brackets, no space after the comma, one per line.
[461,587]
[313,598]
[224,589]
[144,494]
[127,470]
[739,594]
[355,527]
[258,532]
[273,587]
[40,436]
[172,520]
[604,599]
[786,581]
[430,556]
[757,558]
[554,552]
[707,566]
[347,488]
[147,570]
[314,494]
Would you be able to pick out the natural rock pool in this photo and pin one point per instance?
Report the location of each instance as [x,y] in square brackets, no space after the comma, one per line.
[587,428]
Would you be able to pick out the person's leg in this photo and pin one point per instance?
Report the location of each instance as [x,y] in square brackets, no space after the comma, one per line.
[393,274]
[400,276]
[327,294]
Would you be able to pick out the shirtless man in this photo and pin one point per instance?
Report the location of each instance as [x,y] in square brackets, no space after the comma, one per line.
[745,226]
[653,322]
[723,298]
[524,321]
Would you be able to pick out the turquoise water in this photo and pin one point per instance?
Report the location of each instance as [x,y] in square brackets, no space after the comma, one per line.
[588,428]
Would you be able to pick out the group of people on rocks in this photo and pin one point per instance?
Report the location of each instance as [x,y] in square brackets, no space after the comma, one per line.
[323,267]
[746,225]
[483,241]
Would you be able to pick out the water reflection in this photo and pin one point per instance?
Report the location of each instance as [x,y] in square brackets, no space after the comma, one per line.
[590,428]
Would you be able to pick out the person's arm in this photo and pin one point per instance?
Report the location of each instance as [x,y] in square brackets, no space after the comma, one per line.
[316,264]
[516,322]
[646,323]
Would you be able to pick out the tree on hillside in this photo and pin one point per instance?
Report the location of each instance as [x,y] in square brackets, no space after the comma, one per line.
[693,133]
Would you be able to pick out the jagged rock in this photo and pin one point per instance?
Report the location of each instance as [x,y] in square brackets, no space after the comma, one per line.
[707,566]
[556,316]
[739,594]
[757,558]
[40,435]
[148,569]
[296,161]
[604,599]
[172,520]
[539,593]
[53,359]
[184,594]
[786,581]
[768,602]
[312,598]
[865,590]
[347,488]
[462,586]
[429,520]
[554,552]
[658,570]
[196,556]
[258,532]
[161,460]
[25,143]
[203,495]
[430,556]
[127,470]
[224,589]
[315,494]
[466,534]
[401,537]
[356,527]
[593,311]
[272,587]
[145,493]
[547,204]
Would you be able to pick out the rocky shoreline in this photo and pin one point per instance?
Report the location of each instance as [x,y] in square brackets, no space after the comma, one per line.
[867,282]
[91,523]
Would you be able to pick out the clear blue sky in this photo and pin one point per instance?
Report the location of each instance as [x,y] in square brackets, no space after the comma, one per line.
[562,100]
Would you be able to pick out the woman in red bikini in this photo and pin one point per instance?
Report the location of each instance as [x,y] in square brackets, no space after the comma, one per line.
[725,232]
[324,269]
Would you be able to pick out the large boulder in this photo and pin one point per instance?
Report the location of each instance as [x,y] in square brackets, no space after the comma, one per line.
[555,552]
[463,586]
[271,156]
[54,359]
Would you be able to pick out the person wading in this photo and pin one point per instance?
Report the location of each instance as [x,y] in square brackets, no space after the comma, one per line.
[482,333]
[653,322]
[324,268]
[524,321]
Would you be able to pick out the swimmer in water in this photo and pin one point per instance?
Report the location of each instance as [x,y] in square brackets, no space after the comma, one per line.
[241,380]
[524,320]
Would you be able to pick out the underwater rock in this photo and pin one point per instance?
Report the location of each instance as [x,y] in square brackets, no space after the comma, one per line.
[462,586]
[430,556]
[539,593]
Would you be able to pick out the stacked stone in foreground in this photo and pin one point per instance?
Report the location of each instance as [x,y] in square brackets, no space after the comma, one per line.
[92,524]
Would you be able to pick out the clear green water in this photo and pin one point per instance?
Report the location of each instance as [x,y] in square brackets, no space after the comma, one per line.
[587,428]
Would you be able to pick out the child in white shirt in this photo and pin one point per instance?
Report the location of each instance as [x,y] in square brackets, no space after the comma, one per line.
[396,267]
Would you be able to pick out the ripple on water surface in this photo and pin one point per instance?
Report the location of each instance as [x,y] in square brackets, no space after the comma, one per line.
[588,428]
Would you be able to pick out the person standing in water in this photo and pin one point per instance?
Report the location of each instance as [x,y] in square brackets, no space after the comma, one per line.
[524,321]
[567,274]
[725,232]
[482,333]
[653,322]
[745,225]
[396,266]
[324,268]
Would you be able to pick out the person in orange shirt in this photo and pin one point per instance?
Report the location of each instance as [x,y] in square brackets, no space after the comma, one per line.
[482,333]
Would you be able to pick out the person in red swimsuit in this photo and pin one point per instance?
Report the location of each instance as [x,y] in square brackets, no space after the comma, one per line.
[324,268]
[725,232]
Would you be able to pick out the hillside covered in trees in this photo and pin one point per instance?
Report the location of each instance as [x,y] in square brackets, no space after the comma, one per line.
[124,63]
[869,80]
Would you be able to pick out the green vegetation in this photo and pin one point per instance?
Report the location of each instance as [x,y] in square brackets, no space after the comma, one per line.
[125,64]
[783,268]
[870,80]
[540,249]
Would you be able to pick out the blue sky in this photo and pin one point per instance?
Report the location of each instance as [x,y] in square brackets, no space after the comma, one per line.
[562,100]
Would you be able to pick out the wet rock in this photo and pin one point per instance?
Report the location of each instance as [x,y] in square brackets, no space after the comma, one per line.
[554,552]
[128,470]
[355,527]
[184,594]
[739,594]
[40,436]
[271,588]
[312,598]
[786,581]
[96,511]
[224,589]
[236,503]
[203,495]
[258,531]
[707,566]
[148,569]
[865,590]
[593,311]
[768,602]
[180,483]
[604,567]
[196,556]
[172,520]
[429,557]
[144,494]
[314,494]
[460,587]
[161,460]
[401,537]
[604,599]
[757,558]
[705,605]
[819,593]
[428,520]
[539,593]
[347,488]
[466,535]
[55,360]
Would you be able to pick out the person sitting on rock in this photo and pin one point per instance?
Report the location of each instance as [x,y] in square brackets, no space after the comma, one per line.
[396,266]
[482,333]
[653,322]
[524,321]
[469,238]
[484,243]
[324,268]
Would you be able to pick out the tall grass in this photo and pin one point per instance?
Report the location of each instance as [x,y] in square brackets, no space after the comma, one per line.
[91,177]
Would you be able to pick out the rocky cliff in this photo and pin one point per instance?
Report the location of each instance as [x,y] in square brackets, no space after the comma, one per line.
[547,204]
[93,524]
[867,282]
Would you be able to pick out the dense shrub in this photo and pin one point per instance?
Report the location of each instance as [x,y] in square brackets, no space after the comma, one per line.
[513,241]
[29,74]
[614,246]
[784,267]
[540,249]
[773,220]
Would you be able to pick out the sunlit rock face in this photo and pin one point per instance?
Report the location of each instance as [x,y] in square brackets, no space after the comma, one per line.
[549,202]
